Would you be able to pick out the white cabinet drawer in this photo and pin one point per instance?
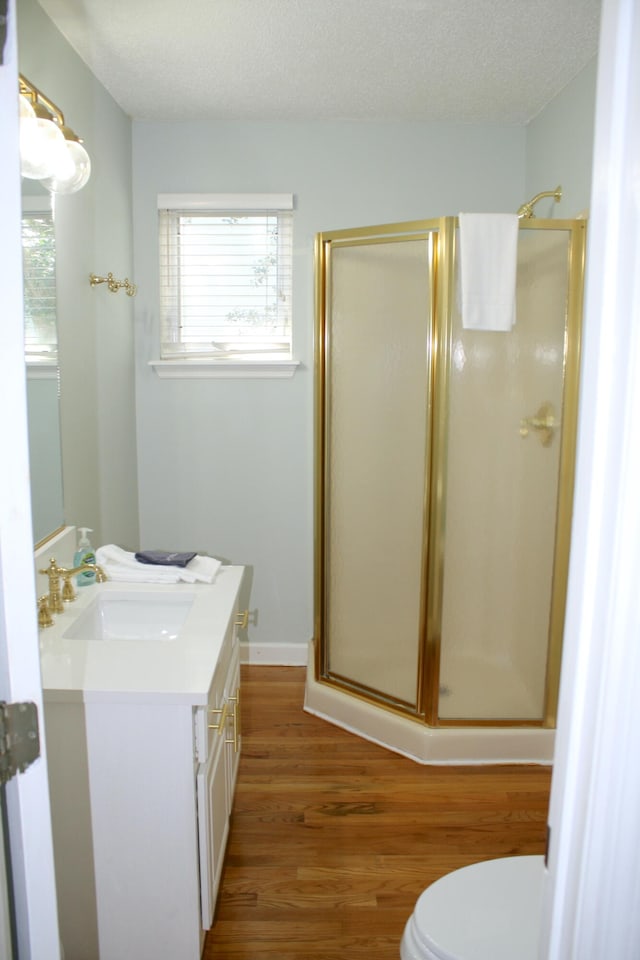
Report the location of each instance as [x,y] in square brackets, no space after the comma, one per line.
[211,722]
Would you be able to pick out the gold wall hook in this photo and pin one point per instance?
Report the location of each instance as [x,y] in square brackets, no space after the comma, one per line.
[114,285]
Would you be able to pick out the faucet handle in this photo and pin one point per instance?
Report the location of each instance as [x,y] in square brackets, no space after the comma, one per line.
[44,613]
[52,570]
[68,593]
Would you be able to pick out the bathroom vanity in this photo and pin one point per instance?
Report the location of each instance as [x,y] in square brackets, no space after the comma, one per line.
[142,698]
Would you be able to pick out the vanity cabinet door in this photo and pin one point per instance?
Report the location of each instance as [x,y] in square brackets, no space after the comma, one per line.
[216,774]
[234,725]
[213,826]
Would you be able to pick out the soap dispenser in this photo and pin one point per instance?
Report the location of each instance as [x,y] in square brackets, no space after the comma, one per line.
[84,554]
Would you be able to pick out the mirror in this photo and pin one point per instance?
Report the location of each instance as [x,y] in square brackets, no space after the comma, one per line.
[41,356]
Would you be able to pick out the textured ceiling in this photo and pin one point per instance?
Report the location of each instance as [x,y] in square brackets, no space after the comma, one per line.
[459,60]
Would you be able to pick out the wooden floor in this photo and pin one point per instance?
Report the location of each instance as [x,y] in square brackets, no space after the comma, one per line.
[333,838]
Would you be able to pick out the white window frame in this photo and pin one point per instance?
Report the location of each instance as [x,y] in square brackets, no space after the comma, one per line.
[189,366]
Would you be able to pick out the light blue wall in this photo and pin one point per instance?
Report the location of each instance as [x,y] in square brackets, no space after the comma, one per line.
[227,466]
[560,147]
[94,234]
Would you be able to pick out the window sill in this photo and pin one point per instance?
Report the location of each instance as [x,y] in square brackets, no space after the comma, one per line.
[225,369]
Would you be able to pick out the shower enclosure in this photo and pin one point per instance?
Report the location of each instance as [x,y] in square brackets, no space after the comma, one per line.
[445,461]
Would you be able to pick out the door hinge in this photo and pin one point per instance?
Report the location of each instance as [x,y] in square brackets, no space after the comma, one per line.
[547,845]
[19,738]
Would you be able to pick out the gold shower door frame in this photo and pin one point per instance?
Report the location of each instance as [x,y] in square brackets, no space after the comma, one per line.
[439,236]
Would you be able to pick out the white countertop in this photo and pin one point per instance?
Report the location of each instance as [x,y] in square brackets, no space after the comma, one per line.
[125,671]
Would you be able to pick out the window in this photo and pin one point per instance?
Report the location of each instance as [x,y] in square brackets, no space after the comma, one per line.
[39,269]
[225,277]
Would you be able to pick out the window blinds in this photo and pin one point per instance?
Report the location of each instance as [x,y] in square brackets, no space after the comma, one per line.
[39,268]
[225,279]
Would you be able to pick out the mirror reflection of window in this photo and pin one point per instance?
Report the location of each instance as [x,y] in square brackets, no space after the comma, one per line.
[39,266]
[41,355]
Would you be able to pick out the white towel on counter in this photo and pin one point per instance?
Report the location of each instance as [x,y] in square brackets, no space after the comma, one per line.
[121,565]
[488,260]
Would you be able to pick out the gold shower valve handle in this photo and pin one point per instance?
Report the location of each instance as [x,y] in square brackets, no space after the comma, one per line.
[544,422]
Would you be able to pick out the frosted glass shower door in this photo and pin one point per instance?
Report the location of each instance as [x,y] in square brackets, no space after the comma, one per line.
[376,404]
[507,524]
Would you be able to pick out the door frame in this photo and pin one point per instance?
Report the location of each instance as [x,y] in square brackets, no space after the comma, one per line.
[27,794]
[590,900]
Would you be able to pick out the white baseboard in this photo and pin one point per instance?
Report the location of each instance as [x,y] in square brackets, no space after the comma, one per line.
[275,654]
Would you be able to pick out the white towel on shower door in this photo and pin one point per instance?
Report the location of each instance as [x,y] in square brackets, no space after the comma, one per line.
[488,259]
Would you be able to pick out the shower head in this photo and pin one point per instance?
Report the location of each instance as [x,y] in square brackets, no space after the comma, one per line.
[525,212]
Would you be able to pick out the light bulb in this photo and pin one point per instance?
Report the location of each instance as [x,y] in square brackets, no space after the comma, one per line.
[40,145]
[63,165]
[76,175]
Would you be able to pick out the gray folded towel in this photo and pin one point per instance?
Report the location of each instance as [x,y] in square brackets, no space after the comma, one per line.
[164,558]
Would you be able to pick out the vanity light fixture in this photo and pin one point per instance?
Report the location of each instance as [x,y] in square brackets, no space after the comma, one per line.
[113,284]
[50,151]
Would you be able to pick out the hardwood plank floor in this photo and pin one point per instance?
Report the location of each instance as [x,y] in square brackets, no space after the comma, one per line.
[333,838]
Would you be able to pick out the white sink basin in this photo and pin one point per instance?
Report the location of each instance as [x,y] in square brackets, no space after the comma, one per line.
[132,616]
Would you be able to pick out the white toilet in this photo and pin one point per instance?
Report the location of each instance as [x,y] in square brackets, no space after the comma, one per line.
[487,911]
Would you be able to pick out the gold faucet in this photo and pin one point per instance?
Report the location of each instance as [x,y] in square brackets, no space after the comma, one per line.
[54,572]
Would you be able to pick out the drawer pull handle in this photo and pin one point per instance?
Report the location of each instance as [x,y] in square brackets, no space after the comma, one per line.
[222,718]
[235,716]
[242,620]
